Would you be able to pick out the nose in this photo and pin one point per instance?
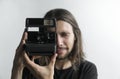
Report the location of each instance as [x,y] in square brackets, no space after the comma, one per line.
[59,41]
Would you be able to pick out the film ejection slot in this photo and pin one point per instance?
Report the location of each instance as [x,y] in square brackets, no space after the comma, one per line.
[41,41]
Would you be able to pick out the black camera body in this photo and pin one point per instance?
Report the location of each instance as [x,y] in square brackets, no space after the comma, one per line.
[40,39]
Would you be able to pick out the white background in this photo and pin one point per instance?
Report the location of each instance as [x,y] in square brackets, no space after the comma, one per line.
[99,22]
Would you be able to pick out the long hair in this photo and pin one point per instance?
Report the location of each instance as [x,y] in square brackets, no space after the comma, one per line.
[76,55]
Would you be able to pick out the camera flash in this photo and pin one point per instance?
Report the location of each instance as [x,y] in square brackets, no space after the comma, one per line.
[48,22]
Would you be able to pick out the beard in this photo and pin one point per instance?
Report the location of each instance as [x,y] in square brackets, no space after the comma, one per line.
[65,57]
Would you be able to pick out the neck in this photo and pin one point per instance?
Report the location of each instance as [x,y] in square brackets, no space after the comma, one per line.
[63,64]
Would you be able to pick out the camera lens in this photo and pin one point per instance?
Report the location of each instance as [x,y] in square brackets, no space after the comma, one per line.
[51,37]
[33,37]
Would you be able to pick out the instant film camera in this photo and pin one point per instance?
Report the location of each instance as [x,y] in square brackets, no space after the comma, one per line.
[40,39]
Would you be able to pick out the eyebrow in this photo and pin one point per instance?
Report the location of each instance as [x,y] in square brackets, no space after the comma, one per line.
[65,32]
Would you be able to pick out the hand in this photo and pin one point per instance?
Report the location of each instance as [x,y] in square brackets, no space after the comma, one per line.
[18,63]
[18,60]
[41,72]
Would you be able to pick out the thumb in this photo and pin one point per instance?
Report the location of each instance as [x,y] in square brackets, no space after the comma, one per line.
[26,58]
[53,60]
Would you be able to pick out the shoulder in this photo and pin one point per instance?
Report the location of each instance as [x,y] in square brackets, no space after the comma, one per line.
[88,69]
[87,64]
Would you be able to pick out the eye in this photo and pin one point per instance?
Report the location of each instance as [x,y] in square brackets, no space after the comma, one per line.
[64,34]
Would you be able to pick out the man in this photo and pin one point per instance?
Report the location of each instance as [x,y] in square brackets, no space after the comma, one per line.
[68,61]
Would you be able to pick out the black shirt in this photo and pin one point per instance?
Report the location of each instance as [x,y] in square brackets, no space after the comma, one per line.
[86,70]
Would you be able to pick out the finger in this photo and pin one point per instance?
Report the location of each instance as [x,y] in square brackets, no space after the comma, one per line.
[24,37]
[35,57]
[53,60]
[21,46]
[33,67]
[28,62]
[26,58]
[20,50]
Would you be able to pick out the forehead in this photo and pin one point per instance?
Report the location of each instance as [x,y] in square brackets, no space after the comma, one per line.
[63,26]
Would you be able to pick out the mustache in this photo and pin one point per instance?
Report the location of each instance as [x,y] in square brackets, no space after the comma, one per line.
[62,48]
